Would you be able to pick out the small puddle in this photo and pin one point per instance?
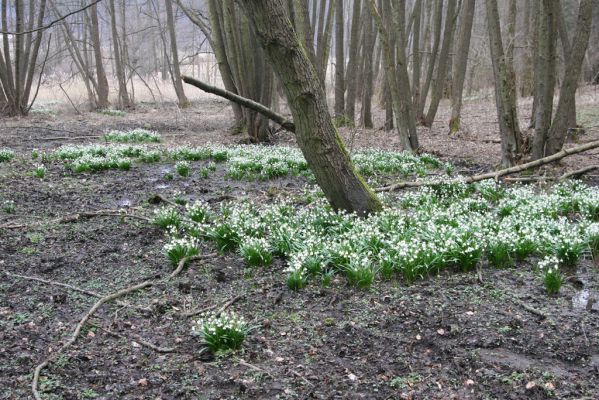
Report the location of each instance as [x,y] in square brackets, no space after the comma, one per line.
[124,203]
[587,298]
[162,186]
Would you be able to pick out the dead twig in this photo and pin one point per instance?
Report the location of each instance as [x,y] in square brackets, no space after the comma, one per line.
[74,288]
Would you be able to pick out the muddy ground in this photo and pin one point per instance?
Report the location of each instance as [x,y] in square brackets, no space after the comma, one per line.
[491,335]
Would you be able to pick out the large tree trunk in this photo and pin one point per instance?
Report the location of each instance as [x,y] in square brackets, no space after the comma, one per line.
[316,135]
[505,94]
[460,64]
[559,128]
[544,75]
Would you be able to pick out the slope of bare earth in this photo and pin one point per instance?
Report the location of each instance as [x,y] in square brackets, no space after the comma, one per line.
[492,335]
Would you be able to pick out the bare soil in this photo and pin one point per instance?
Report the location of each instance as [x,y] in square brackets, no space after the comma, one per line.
[457,335]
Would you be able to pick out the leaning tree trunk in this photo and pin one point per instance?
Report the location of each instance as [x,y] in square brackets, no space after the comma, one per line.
[559,128]
[505,92]
[316,135]
[460,64]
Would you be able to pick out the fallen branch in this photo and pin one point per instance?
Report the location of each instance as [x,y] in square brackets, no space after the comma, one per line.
[74,288]
[83,215]
[245,102]
[90,313]
[578,172]
[497,174]
[77,331]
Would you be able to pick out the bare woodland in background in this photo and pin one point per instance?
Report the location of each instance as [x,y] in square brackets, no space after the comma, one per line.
[404,56]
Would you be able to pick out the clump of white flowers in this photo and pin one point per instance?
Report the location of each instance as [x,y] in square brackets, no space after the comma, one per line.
[138,135]
[198,211]
[223,332]
[166,217]
[179,248]
[256,251]
[552,276]
[40,171]
[6,155]
[183,168]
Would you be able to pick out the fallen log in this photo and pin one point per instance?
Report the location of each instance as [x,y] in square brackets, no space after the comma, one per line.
[496,174]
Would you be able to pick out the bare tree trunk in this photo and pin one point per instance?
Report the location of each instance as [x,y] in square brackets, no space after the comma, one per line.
[559,128]
[120,71]
[437,91]
[175,68]
[352,66]
[460,64]
[526,75]
[505,95]
[544,75]
[438,20]
[566,51]
[416,59]
[102,80]
[402,103]
[367,56]
[339,63]
[315,132]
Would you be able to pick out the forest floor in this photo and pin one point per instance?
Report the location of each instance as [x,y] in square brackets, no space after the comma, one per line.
[488,335]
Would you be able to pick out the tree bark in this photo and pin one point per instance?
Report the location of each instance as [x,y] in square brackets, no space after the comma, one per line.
[102,81]
[438,22]
[559,127]
[352,66]
[118,63]
[315,132]
[443,64]
[339,63]
[544,75]
[175,68]
[460,64]
[505,94]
